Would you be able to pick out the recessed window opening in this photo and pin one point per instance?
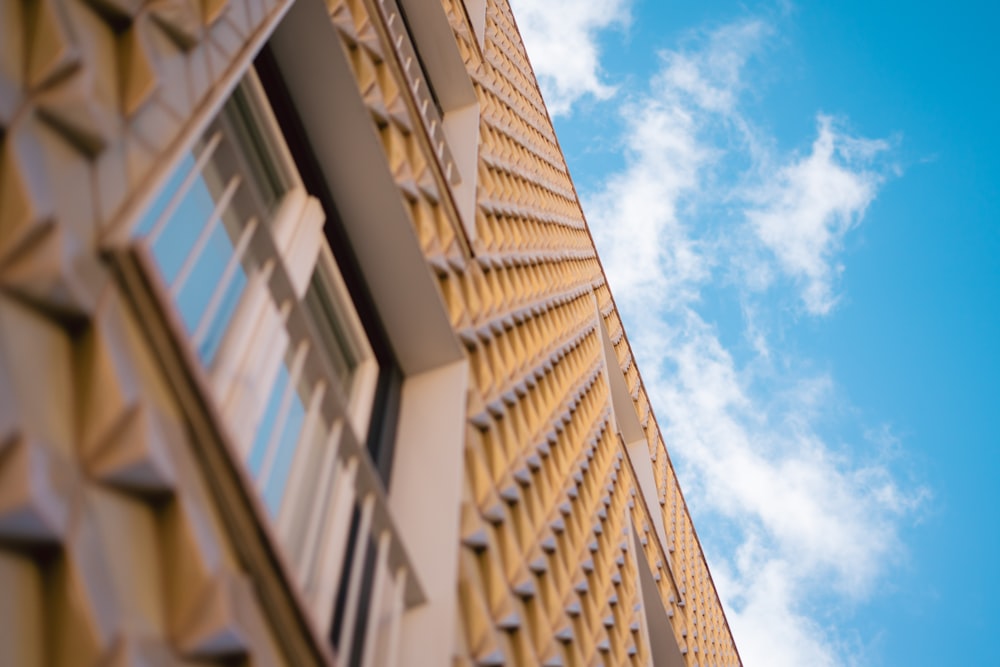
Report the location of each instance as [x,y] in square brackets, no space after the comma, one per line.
[237,245]
[428,82]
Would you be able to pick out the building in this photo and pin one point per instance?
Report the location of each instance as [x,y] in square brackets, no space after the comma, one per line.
[307,357]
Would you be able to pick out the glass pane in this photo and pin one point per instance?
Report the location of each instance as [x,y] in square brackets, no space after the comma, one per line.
[205,276]
[309,462]
[194,249]
[279,436]
[334,339]
[177,240]
[274,486]
[243,122]
[156,210]
[267,424]
[218,324]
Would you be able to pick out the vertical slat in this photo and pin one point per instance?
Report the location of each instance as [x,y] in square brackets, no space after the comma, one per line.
[396,622]
[246,330]
[332,474]
[274,439]
[303,249]
[299,469]
[168,212]
[256,373]
[204,235]
[215,301]
[345,641]
[326,563]
[243,326]
[376,604]
[268,357]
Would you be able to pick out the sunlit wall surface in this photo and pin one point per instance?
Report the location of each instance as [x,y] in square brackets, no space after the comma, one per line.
[306,355]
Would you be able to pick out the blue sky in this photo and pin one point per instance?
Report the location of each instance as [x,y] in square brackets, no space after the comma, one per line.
[797,208]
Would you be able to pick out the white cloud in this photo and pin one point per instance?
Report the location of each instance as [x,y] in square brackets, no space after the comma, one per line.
[770,631]
[803,214]
[642,203]
[811,517]
[762,463]
[561,39]
[710,77]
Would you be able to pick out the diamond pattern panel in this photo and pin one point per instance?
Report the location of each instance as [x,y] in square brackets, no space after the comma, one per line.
[93,95]
[96,465]
[109,551]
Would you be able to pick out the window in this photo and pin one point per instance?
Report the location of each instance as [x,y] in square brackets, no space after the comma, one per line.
[444,95]
[316,352]
[236,245]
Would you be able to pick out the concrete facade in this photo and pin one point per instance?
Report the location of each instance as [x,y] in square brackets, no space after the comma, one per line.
[375,407]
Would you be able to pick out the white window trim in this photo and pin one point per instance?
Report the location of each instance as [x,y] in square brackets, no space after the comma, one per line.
[476,11]
[294,234]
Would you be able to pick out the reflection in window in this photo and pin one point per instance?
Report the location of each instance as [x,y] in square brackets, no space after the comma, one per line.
[202,223]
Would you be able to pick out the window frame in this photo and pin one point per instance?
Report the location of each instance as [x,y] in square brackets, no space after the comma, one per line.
[442,83]
[351,423]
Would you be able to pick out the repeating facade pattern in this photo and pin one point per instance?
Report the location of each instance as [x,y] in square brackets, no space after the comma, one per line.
[113,545]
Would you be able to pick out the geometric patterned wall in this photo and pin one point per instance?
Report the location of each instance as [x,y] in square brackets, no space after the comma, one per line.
[112,550]
[547,572]
[110,553]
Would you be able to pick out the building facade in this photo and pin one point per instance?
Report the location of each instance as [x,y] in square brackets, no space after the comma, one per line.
[307,357]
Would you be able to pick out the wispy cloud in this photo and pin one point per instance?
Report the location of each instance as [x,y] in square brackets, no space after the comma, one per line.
[561,36]
[803,213]
[705,200]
